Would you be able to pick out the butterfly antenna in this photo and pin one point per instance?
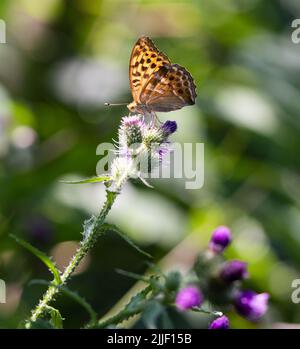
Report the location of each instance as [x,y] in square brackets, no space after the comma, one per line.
[114,104]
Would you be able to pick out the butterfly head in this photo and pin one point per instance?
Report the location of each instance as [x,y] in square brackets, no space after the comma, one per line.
[132,107]
[137,108]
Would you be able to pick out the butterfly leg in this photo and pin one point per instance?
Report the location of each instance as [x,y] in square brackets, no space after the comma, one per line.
[153,119]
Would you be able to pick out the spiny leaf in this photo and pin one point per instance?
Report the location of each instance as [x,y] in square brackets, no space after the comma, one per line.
[135,302]
[88,180]
[125,237]
[56,318]
[73,295]
[133,307]
[76,297]
[207,311]
[42,256]
[133,275]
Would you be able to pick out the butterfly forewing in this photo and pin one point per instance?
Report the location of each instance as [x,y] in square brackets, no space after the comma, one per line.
[145,60]
[170,88]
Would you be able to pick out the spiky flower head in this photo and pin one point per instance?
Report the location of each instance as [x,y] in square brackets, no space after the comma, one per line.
[131,131]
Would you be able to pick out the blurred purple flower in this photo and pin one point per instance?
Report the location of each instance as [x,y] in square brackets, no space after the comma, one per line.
[189,297]
[221,323]
[220,239]
[39,228]
[233,270]
[251,305]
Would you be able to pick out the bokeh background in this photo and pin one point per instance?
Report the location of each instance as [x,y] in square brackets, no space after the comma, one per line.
[64,59]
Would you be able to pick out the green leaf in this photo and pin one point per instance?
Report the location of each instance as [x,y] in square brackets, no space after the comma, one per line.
[133,275]
[166,320]
[136,301]
[80,300]
[133,307]
[56,318]
[89,180]
[42,256]
[207,311]
[39,324]
[73,295]
[115,229]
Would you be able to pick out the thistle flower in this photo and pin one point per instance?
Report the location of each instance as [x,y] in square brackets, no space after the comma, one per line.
[251,305]
[220,239]
[121,169]
[189,297]
[142,145]
[233,270]
[221,323]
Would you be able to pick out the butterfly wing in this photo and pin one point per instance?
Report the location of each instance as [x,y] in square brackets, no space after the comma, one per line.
[170,88]
[145,60]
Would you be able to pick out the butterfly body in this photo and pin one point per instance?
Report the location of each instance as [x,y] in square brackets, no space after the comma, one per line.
[157,85]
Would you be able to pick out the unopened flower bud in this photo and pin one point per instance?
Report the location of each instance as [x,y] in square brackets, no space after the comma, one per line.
[189,297]
[251,305]
[220,239]
[221,323]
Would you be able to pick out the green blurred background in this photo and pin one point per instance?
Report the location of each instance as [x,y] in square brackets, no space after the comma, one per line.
[64,59]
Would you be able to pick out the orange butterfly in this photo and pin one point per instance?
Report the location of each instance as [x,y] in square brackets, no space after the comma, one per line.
[157,84]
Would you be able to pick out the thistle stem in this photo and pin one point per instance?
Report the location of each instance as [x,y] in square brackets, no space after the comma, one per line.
[86,244]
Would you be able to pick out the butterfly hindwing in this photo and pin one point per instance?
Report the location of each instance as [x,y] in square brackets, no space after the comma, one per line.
[170,88]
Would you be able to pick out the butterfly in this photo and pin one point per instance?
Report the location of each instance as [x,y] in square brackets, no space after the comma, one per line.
[156,84]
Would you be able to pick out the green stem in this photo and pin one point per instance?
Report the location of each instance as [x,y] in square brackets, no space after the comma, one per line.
[86,244]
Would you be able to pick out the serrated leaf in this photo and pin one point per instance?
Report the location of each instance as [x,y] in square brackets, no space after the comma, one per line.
[133,307]
[42,256]
[56,318]
[133,275]
[88,180]
[135,302]
[73,295]
[207,311]
[125,237]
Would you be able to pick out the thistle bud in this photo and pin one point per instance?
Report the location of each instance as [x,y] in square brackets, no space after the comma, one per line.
[131,131]
[168,128]
[220,239]
[221,323]
[251,305]
[188,298]
[233,270]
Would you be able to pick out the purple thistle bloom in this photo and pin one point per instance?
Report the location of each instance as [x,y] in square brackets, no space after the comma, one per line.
[251,305]
[189,297]
[220,239]
[221,323]
[169,127]
[234,270]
